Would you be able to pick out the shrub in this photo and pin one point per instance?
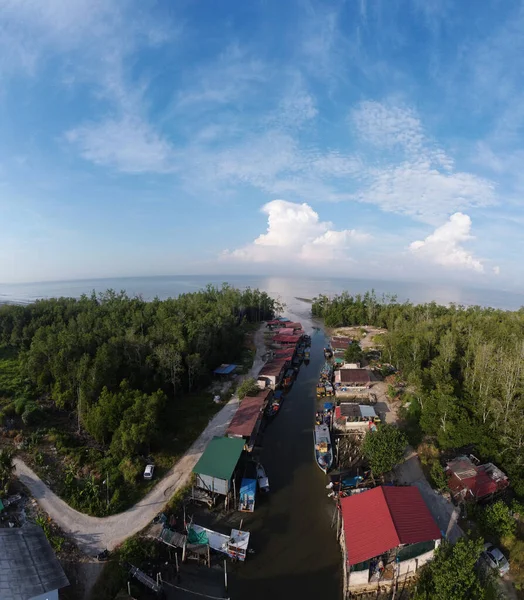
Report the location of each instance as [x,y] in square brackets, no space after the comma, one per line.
[498,520]
[248,387]
[20,405]
[32,414]
[438,476]
[130,470]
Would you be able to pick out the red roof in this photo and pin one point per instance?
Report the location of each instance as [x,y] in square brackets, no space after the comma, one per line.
[287,339]
[284,353]
[273,368]
[479,481]
[294,325]
[382,519]
[353,376]
[286,331]
[247,415]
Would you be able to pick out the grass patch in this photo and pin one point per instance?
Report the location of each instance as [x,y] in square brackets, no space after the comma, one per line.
[10,377]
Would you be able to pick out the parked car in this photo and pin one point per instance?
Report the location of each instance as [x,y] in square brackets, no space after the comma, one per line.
[148,471]
[495,559]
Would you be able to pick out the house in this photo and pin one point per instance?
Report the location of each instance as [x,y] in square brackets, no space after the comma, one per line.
[287,340]
[355,417]
[29,569]
[340,344]
[247,419]
[387,533]
[271,373]
[215,468]
[470,481]
[349,380]
[350,366]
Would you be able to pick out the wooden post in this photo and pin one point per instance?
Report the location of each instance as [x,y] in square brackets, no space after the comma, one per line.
[128,589]
[225,573]
[241,522]
[176,562]
[208,557]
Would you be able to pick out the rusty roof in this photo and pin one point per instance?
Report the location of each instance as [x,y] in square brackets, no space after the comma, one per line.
[273,367]
[354,376]
[246,417]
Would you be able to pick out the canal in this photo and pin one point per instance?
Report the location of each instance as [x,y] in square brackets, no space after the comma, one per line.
[296,551]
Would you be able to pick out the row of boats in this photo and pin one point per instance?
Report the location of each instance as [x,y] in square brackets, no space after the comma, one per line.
[324,454]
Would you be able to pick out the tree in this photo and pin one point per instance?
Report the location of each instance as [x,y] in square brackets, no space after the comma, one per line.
[452,574]
[193,364]
[498,520]
[353,353]
[171,360]
[384,448]
[7,468]
[248,387]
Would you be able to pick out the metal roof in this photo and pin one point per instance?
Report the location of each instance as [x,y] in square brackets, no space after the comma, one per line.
[247,415]
[273,367]
[28,565]
[224,369]
[353,375]
[367,412]
[220,457]
[382,519]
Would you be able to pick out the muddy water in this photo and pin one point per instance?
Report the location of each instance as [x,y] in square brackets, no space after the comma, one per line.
[297,555]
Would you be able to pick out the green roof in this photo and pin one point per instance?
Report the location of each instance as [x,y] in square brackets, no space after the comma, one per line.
[220,457]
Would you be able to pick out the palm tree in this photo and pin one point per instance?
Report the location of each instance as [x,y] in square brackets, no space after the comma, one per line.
[7,467]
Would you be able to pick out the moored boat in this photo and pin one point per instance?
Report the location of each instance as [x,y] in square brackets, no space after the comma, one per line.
[307,353]
[274,406]
[323,447]
[328,353]
[288,378]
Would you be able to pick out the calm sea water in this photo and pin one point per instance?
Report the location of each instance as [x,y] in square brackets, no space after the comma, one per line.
[285,288]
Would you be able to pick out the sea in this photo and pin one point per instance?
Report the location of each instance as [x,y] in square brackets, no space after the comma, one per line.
[287,289]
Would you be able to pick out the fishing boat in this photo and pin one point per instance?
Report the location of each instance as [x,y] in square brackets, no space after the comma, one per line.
[328,353]
[274,406]
[288,378]
[307,353]
[326,372]
[323,448]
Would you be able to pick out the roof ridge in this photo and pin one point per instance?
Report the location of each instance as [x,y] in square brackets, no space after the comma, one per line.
[382,487]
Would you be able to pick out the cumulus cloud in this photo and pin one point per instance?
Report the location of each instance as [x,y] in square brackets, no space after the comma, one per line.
[295,231]
[444,245]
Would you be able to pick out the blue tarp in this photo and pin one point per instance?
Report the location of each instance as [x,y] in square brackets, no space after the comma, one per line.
[248,489]
[224,369]
[328,405]
[278,394]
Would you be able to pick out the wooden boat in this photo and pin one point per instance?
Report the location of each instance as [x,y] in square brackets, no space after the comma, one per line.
[307,354]
[274,406]
[328,353]
[323,447]
[288,378]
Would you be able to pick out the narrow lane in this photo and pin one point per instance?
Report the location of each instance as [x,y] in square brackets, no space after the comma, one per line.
[297,555]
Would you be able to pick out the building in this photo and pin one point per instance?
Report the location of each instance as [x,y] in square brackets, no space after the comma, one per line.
[247,419]
[340,344]
[214,471]
[271,373]
[387,533]
[287,340]
[470,481]
[355,417]
[347,381]
[29,569]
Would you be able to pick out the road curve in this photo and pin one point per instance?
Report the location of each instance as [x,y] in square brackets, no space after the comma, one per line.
[94,534]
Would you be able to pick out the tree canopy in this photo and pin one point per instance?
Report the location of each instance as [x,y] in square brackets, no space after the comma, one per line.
[353,353]
[452,574]
[384,448]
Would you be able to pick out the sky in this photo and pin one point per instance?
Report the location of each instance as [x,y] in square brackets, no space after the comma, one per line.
[379,139]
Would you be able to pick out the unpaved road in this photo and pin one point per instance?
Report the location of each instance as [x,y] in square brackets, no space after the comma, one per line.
[94,534]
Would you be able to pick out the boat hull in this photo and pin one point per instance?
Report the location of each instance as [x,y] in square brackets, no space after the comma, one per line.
[323,447]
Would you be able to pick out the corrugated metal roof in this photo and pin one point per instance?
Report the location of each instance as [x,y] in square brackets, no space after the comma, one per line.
[410,514]
[287,339]
[28,565]
[220,457]
[247,415]
[367,412]
[353,375]
[224,369]
[273,368]
[286,331]
[383,518]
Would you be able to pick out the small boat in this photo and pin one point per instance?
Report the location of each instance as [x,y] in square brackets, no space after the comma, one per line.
[288,377]
[321,390]
[263,481]
[307,354]
[323,448]
[328,353]
[307,340]
[274,406]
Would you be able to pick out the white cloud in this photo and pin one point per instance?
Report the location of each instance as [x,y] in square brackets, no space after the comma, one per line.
[296,232]
[127,144]
[423,183]
[444,245]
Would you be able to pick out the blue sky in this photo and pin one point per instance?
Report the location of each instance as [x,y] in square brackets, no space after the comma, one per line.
[376,139]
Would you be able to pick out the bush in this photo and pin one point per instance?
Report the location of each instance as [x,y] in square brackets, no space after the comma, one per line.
[130,470]
[20,405]
[497,520]
[384,448]
[248,387]
[9,410]
[438,476]
[32,414]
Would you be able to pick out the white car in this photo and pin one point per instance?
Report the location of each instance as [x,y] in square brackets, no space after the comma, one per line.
[148,471]
[495,559]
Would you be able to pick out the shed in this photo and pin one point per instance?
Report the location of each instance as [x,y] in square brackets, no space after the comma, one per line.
[353,377]
[247,419]
[384,518]
[225,369]
[271,372]
[217,464]
[470,481]
[29,568]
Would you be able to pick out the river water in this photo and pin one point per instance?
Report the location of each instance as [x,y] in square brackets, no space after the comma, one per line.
[296,551]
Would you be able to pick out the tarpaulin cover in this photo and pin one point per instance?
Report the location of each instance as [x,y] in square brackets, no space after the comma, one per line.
[197,537]
[248,489]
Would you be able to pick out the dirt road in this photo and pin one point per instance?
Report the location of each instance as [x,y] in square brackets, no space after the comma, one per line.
[94,534]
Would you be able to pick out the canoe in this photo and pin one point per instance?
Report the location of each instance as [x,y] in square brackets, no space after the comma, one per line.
[323,447]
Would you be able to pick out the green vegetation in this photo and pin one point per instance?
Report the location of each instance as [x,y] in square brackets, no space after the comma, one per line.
[111,382]
[384,448]
[465,366]
[353,353]
[452,575]
[7,469]
[248,387]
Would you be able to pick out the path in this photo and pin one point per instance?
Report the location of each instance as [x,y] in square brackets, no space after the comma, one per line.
[94,534]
